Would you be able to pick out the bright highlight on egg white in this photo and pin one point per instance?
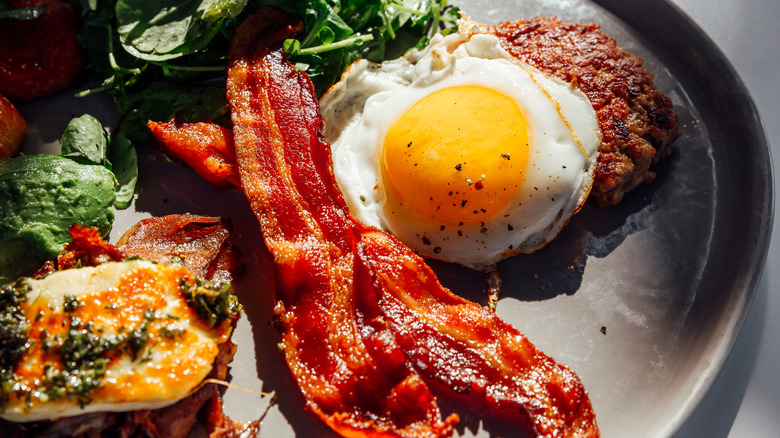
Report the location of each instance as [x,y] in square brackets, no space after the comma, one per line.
[462,152]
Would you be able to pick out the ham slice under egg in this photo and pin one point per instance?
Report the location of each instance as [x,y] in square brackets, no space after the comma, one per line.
[135,303]
[116,346]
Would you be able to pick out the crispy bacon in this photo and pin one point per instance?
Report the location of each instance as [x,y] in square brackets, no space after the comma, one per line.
[206,147]
[358,310]
[337,344]
[87,248]
[200,242]
[469,349]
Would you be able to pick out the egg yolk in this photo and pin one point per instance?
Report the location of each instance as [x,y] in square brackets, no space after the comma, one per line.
[456,156]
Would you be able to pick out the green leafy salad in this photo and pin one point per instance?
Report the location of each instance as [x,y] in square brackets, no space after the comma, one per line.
[167,58]
[161,59]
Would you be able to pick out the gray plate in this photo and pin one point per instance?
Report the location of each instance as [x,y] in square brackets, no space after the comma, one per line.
[642,300]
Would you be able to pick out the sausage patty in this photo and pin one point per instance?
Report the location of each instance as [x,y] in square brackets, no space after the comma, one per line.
[638,123]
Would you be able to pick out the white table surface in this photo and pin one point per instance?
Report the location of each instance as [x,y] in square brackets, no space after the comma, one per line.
[744,400]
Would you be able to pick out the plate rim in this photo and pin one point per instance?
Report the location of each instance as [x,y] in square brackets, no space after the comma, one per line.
[631,13]
[638,17]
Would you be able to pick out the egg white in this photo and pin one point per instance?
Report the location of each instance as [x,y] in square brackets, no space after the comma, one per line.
[159,379]
[563,135]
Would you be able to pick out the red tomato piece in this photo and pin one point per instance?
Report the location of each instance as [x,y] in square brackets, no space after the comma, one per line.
[39,57]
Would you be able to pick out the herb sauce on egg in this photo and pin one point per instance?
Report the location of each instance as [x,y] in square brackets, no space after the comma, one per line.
[121,336]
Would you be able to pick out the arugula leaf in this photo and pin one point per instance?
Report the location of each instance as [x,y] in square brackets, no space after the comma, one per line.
[166,29]
[98,36]
[341,32]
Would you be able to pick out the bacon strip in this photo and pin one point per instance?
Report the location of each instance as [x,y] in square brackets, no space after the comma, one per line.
[469,349]
[341,285]
[200,242]
[348,366]
[206,147]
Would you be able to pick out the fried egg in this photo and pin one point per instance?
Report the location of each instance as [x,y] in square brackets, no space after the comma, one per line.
[121,336]
[464,153]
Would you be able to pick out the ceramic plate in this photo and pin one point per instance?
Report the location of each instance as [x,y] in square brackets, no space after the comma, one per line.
[643,300]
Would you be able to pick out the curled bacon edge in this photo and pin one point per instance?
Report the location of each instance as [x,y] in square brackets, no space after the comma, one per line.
[206,147]
[365,323]
[343,286]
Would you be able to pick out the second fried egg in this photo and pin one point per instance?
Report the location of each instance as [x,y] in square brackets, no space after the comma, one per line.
[462,152]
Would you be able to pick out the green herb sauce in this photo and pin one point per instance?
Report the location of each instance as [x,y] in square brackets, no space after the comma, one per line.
[214,302]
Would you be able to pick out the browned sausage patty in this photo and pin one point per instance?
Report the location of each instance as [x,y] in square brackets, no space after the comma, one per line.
[638,124]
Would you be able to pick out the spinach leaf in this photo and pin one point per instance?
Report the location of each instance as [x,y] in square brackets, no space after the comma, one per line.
[191,86]
[86,141]
[166,29]
[125,159]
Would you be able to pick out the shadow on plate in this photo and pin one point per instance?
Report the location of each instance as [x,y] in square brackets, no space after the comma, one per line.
[557,269]
[256,292]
